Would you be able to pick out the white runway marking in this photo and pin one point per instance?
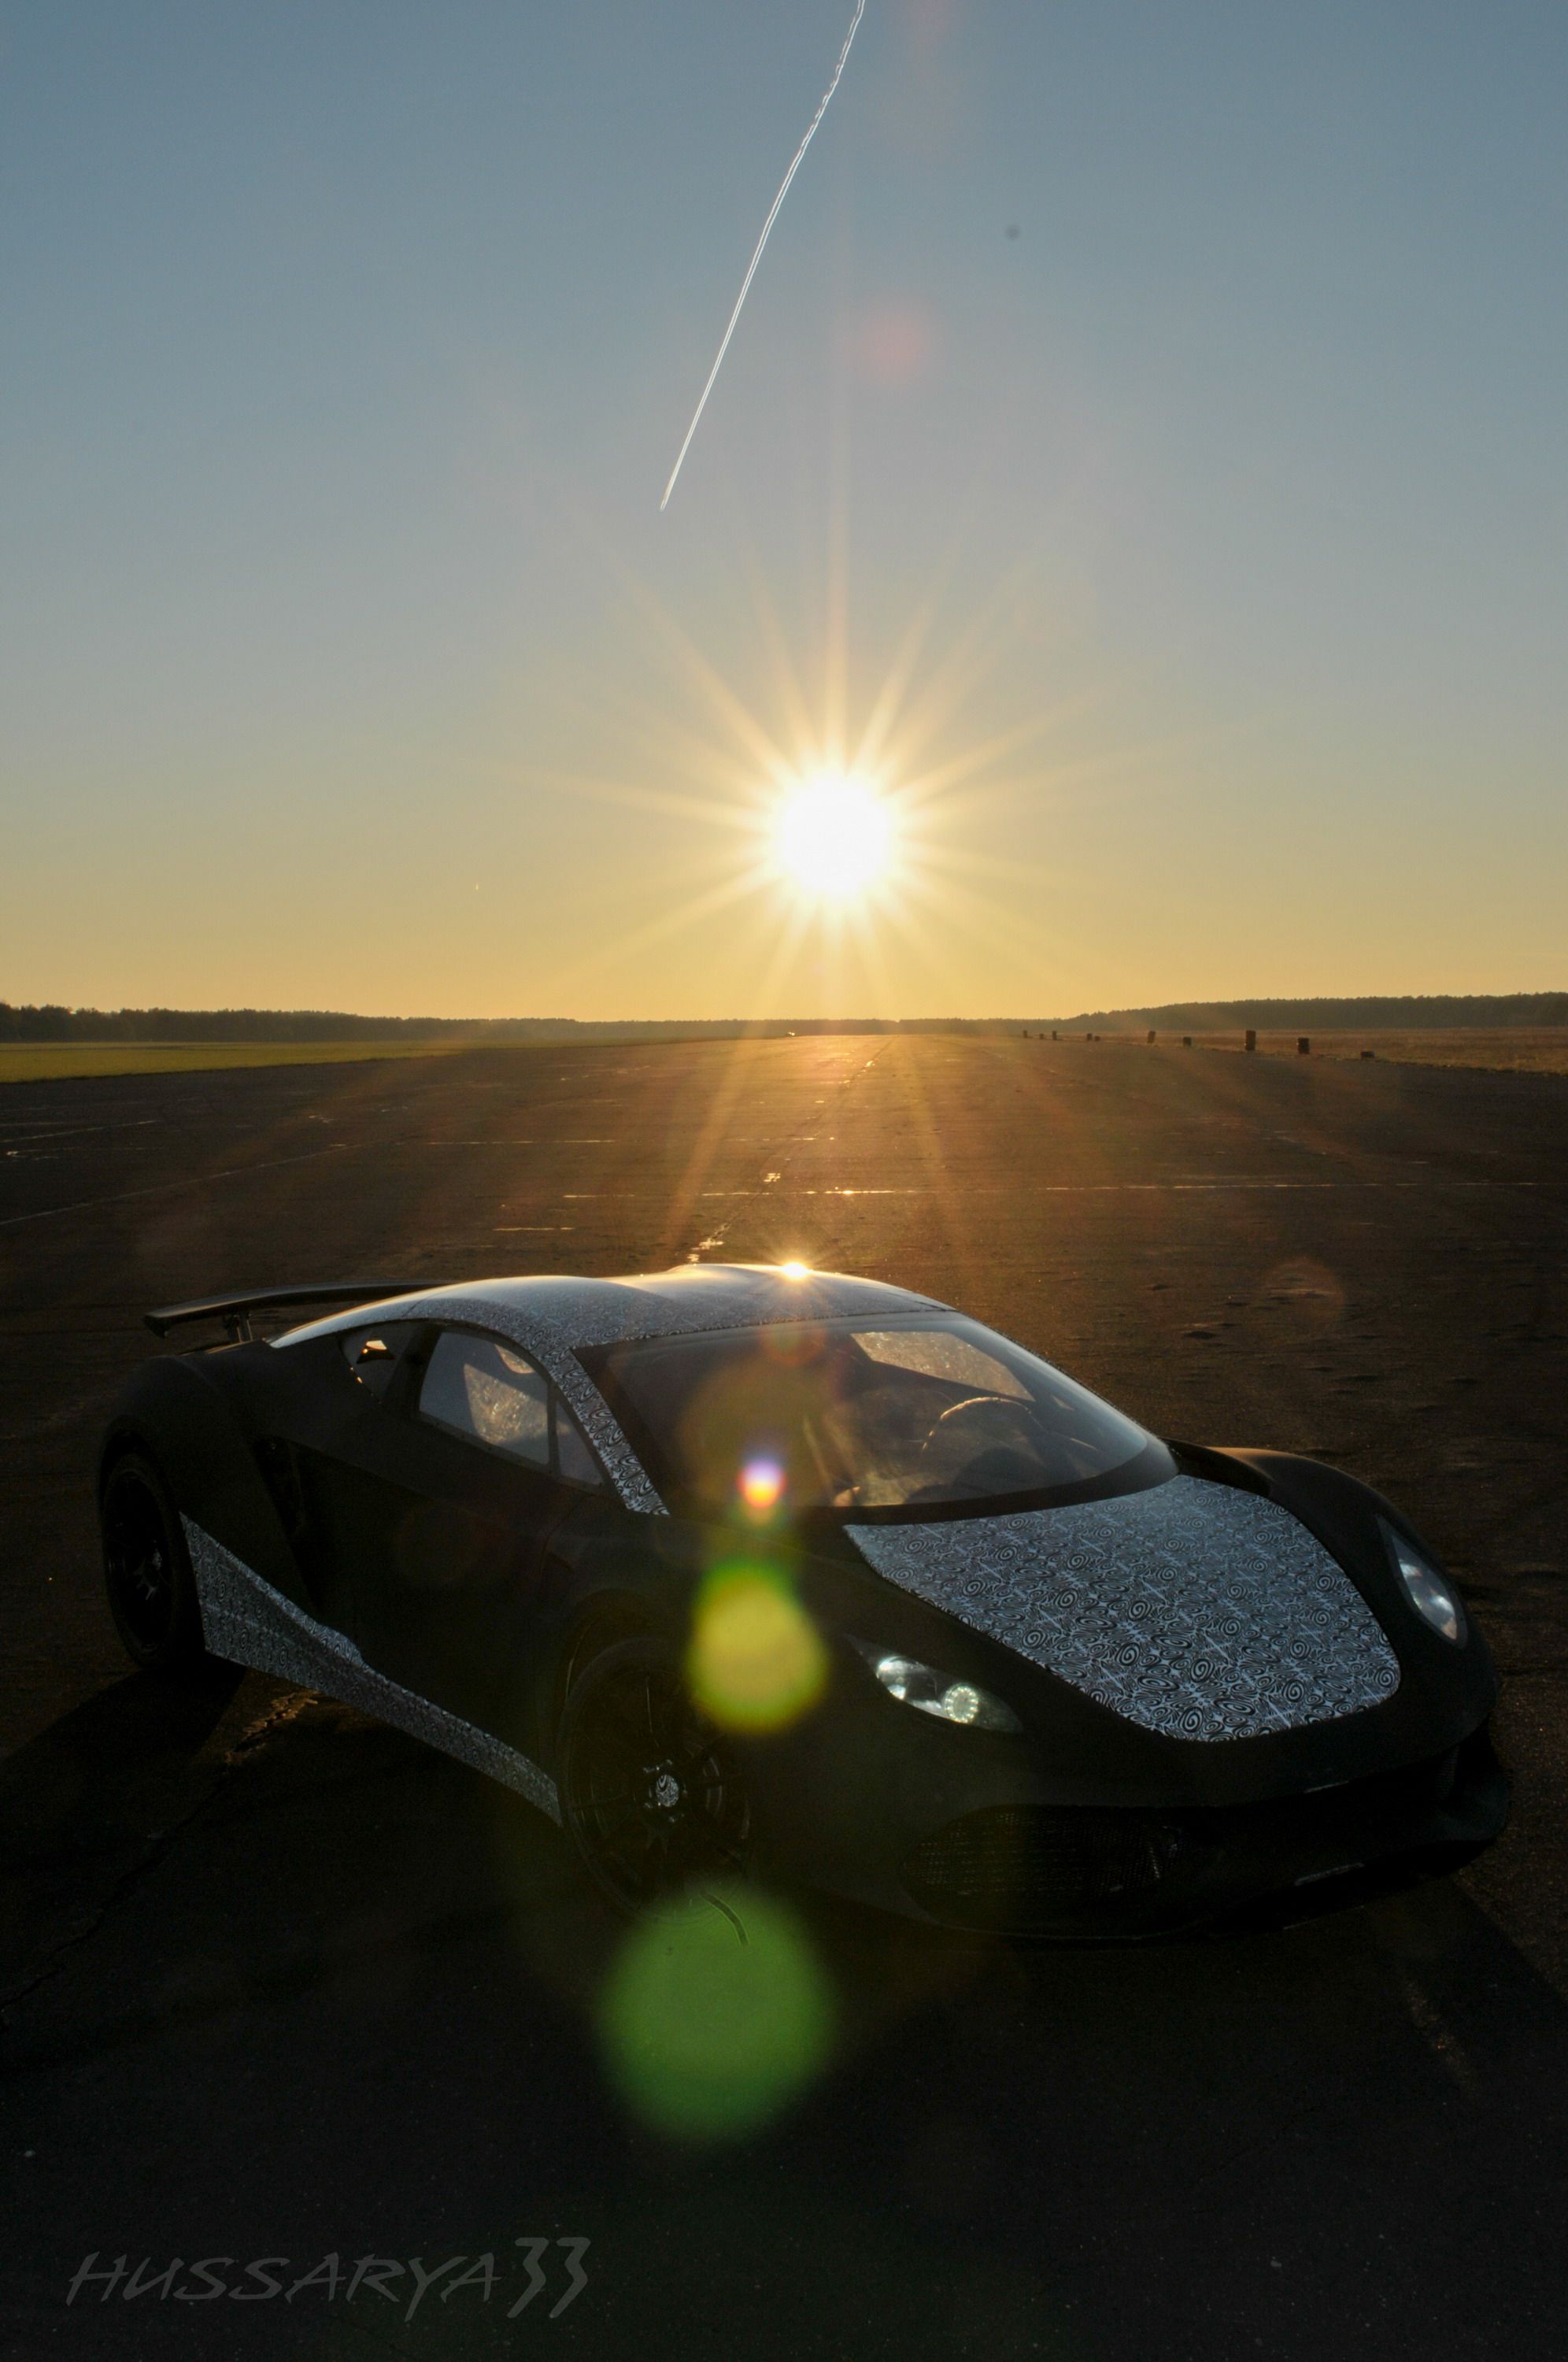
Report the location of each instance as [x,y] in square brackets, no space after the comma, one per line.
[159,1188]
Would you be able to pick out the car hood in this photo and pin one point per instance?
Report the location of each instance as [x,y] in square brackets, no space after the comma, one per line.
[1195,1609]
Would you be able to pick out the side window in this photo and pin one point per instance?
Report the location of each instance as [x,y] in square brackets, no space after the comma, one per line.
[480,1389]
[372,1354]
[575,1463]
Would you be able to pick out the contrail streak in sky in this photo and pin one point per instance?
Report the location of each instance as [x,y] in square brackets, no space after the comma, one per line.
[762,241]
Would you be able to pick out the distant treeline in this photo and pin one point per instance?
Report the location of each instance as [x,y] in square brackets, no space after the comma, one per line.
[1386,1013]
[55,1024]
[1379,1012]
[58,1024]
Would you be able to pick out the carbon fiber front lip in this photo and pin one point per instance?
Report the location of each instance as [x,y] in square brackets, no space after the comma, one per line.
[1103,1874]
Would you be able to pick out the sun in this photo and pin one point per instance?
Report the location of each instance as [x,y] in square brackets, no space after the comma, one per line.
[834,836]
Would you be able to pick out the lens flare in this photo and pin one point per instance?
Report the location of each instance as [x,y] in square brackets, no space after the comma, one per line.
[790,1347]
[795,1270]
[755,1661]
[834,837]
[715,2015]
[761,1486]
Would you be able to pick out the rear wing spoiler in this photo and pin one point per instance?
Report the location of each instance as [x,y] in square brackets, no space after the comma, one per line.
[235,1312]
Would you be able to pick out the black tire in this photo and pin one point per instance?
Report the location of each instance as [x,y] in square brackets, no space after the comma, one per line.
[147,1570]
[650,1791]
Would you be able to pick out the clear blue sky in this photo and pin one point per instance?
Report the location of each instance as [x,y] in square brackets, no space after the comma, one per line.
[346,660]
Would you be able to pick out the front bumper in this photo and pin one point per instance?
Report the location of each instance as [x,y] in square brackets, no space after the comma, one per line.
[1096,1872]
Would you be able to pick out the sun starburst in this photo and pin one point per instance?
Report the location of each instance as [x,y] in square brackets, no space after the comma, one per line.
[834,837]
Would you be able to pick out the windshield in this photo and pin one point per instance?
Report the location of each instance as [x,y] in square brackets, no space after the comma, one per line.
[852,1415]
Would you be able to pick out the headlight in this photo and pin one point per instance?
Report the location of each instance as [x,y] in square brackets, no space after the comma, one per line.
[929,1692]
[1432,1595]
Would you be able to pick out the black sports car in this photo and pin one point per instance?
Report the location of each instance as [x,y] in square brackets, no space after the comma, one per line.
[774,1571]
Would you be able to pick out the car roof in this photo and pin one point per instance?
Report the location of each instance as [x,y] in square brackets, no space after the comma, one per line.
[687,1300]
[555,1319]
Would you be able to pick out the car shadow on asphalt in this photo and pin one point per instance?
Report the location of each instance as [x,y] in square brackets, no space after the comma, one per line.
[359,1992]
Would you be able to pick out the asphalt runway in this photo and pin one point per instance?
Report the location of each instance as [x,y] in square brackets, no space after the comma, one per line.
[279,1983]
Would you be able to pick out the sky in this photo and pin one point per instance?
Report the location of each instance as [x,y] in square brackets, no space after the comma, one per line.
[1142,465]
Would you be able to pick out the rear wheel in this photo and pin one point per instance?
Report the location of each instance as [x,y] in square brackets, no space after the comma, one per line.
[147,1569]
[650,1791]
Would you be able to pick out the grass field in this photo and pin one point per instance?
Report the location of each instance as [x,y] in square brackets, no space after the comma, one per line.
[52,1062]
[1536,1050]
[1542,1050]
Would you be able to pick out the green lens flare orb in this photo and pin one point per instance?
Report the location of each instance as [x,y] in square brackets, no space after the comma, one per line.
[757,1660]
[715,2015]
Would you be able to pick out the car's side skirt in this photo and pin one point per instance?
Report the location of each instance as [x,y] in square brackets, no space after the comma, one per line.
[246,1620]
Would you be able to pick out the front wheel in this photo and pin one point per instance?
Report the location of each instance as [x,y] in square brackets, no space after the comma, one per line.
[147,1569]
[650,1791]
